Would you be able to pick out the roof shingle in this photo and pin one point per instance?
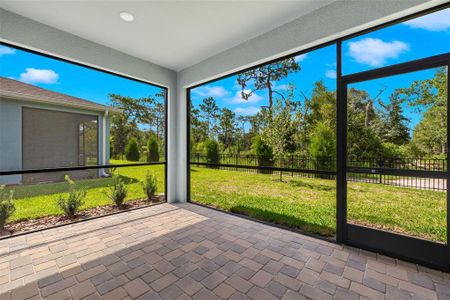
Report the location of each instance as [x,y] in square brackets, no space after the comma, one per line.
[17,88]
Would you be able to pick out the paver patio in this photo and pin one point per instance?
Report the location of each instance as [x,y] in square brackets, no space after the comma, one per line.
[184,251]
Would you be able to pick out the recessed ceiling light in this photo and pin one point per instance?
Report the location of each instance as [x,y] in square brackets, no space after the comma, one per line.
[126,16]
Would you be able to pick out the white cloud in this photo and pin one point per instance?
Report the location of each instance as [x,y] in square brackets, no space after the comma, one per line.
[247,111]
[211,91]
[238,98]
[6,50]
[281,87]
[330,74]
[375,52]
[301,57]
[438,21]
[32,75]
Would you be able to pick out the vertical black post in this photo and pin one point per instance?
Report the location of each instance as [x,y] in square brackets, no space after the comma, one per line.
[292,165]
[166,140]
[341,117]
[448,168]
[188,145]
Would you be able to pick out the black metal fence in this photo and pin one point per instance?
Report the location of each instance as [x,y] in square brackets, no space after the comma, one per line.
[303,166]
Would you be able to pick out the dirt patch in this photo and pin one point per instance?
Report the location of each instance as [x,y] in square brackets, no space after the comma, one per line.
[52,221]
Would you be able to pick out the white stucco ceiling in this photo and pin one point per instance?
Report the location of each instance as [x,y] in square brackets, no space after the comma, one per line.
[173,34]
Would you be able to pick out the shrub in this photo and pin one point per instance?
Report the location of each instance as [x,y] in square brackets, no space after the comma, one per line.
[263,154]
[323,147]
[212,151]
[7,207]
[118,191]
[152,150]
[74,201]
[132,150]
[150,185]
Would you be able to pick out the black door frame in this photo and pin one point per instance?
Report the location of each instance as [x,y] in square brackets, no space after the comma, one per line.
[435,255]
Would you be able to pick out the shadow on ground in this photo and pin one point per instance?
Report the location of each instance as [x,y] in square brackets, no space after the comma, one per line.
[308,185]
[282,219]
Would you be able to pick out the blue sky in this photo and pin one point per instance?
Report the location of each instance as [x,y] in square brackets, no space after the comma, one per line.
[69,78]
[418,38]
[415,39]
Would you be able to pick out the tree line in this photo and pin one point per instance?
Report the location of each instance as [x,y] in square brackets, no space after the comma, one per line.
[137,134]
[306,125]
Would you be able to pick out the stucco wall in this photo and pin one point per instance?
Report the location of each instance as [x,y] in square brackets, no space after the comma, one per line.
[10,140]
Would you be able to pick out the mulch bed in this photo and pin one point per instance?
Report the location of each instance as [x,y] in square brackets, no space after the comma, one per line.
[51,221]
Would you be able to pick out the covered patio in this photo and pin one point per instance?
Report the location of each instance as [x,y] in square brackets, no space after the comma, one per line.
[184,251]
[258,150]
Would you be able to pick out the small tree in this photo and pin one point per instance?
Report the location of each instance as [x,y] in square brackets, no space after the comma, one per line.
[212,151]
[74,201]
[150,185]
[323,147]
[132,150]
[118,191]
[152,150]
[263,154]
[7,207]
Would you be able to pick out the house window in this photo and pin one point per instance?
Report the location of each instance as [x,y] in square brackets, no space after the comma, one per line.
[88,143]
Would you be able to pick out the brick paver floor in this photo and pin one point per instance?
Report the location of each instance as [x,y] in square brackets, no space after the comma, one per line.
[185,251]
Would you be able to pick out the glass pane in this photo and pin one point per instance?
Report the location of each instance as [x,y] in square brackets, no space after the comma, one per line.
[414,39]
[399,122]
[70,115]
[285,119]
[394,206]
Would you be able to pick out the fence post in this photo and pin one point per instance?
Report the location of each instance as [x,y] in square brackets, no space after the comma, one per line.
[292,165]
[198,160]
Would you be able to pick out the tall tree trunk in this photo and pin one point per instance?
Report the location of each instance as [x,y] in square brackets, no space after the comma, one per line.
[366,119]
[269,87]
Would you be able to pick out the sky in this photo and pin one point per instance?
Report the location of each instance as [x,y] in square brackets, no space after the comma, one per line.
[418,38]
[67,78]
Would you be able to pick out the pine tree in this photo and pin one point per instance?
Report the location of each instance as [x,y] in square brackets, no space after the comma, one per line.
[132,150]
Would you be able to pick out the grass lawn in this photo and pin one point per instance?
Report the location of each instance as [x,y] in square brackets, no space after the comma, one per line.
[310,203]
[39,200]
[305,203]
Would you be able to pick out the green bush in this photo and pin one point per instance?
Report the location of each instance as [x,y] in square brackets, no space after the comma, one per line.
[7,207]
[132,150]
[150,185]
[212,151]
[152,150]
[74,201]
[263,154]
[118,191]
[323,147]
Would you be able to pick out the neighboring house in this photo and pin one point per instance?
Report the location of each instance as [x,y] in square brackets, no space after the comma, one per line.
[44,129]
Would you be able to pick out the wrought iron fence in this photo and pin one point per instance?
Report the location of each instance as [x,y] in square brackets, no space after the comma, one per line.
[304,166]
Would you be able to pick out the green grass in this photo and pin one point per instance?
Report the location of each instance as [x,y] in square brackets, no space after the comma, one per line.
[310,203]
[305,203]
[39,200]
